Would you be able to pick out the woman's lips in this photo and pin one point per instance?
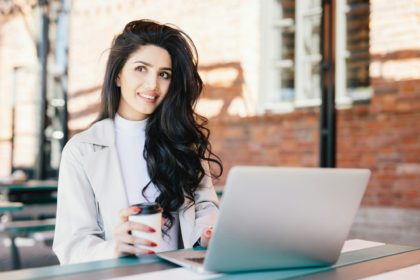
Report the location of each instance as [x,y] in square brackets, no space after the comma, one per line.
[147,97]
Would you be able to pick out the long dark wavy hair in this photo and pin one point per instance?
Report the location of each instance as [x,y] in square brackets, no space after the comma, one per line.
[177,147]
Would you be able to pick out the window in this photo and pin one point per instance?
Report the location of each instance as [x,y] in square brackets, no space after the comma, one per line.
[277,83]
[291,55]
[352,56]
[308,54]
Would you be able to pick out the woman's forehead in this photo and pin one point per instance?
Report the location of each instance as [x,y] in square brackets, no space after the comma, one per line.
[151,55]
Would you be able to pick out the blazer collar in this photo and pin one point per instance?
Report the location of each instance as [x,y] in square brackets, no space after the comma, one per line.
[100,133]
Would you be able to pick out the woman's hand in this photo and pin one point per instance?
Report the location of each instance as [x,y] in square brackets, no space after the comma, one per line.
[124,241]
[206,235]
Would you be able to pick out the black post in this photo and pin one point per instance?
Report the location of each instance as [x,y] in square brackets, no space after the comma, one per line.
[62,57]
[43,55]
[16,70]
[327,110]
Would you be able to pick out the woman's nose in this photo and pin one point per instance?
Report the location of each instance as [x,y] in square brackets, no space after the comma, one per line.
[151,82]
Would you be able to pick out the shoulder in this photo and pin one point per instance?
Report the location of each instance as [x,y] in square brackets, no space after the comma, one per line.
[100,133]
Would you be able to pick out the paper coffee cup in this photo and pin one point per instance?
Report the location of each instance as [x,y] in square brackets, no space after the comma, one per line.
[150,215]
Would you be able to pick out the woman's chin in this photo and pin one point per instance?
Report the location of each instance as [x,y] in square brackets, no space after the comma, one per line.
[144,108]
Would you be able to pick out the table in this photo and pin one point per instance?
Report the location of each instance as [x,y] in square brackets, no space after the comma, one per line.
[31,192]
[131,265]
[31,185]
[37,197]
[7,206]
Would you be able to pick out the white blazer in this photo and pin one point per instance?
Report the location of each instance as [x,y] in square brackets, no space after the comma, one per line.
[91,194]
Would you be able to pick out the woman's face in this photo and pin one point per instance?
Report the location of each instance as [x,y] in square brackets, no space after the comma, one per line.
[144,81]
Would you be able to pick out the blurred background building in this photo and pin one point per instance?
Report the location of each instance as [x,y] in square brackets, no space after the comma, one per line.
[261,63]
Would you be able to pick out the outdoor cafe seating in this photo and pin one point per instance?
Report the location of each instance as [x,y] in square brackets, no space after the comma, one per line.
[27,210]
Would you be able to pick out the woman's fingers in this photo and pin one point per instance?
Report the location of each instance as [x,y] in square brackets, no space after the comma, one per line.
[124,249]
[134,240]
[206,235]
[130,226]
[126,243]
[140,227]
[125,213]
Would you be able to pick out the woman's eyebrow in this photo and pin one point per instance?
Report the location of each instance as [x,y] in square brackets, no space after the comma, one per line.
[150,65]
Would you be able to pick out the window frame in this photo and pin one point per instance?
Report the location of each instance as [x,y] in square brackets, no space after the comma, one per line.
[271,27]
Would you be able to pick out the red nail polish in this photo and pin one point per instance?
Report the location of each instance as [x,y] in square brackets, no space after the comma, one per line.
[152,230]
[137,209]
[153,244]
[150,252]
[208,232]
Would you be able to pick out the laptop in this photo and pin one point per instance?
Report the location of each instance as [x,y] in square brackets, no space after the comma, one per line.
[276,218]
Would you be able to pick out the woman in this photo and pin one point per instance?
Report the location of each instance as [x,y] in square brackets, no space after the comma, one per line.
[148,144]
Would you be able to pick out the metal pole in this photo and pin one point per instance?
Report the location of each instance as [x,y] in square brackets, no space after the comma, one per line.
[42,54]
[327,110]
[14,100]
[62,45]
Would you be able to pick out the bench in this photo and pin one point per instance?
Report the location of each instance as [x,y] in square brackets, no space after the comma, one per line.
[16,229]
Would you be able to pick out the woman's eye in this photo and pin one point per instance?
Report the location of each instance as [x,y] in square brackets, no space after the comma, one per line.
[165,75]
[140,68]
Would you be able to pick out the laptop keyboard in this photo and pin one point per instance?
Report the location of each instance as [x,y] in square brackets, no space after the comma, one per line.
[197,260]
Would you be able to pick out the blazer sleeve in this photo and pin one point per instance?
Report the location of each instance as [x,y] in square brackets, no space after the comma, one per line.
[206,205]
[78,235]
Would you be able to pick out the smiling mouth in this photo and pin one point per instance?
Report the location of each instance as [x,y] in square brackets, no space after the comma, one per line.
[148,96]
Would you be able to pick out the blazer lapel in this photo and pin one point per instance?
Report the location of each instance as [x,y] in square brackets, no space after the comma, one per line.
[104,171]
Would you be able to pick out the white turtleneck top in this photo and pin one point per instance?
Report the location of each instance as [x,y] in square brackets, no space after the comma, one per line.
[130,137]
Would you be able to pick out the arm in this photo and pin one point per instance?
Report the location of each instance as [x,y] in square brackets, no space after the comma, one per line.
[78,234]
[206,206]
